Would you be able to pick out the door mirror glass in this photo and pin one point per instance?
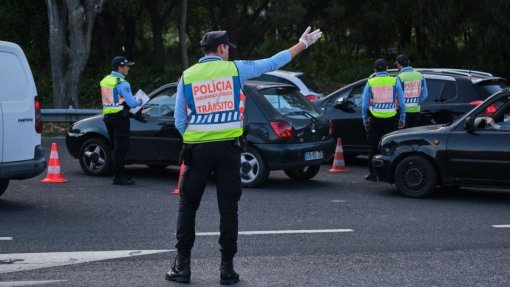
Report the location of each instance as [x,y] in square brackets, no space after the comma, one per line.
[469,124]
[340,102]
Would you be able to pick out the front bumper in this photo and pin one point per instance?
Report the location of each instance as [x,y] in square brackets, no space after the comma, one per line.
[382,167]
[26,168]
[283,156]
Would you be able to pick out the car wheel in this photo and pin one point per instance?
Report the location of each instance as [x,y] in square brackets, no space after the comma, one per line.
[95,157]
[4,183]
[415,176]
[254,170]
[303,173]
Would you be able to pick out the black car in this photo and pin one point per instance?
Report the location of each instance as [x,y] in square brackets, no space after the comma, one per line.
[286,132]
[452,93]
[472,151]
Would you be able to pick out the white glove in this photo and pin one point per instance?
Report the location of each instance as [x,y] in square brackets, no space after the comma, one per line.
[309,38]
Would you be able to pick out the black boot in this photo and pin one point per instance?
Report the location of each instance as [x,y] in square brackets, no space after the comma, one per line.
[227,274]
[181,270]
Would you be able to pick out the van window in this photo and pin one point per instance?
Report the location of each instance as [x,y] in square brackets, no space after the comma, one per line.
[13,78]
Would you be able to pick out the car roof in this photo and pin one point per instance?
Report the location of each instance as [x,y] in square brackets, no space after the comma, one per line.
[259,85]
[284,73]
[474,76]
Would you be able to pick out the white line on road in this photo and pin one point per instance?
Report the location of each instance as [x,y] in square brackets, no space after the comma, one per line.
[266,232]
[28,283]
[5,238]
[28,261]
[502,226]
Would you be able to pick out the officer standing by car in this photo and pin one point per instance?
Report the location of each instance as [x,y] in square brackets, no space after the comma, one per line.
[209,114]
[117,100]
[415,90]
[382,100]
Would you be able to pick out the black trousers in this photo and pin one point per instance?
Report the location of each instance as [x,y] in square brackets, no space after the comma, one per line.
[118,131]
[378,128]
[412,120]
[224,158]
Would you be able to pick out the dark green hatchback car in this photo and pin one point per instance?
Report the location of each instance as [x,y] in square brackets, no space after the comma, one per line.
[286,132]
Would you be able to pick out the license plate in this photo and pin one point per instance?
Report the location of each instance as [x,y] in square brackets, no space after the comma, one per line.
[313,155]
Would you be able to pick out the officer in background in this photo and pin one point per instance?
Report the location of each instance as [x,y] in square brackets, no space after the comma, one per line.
[382,100]
[209,114]
[415,90]
[117,100]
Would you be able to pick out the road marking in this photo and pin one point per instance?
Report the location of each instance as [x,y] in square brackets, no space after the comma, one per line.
[28,261]
[267,232]
[502,226]
[28,283]
[5,238]
[338,201]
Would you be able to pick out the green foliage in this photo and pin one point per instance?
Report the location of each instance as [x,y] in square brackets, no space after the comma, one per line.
[435,33]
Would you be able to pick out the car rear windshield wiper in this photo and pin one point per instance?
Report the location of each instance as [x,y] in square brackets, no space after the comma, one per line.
[303,113]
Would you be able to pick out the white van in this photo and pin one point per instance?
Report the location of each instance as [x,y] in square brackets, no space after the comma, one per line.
[21,152]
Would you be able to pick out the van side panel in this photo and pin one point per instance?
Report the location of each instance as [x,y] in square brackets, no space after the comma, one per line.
[17,92]
[1,136]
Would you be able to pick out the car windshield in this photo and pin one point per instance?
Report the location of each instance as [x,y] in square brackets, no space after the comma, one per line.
[308,81]
[289,102]
[161,105]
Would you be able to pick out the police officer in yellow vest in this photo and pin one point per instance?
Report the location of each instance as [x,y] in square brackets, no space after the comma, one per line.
[117,99]
[382,109]
[209,114]
[415,90]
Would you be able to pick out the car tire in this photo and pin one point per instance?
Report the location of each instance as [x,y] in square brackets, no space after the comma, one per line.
[254,170]
[415,176]
[95,157]
[4,183]
[303,173]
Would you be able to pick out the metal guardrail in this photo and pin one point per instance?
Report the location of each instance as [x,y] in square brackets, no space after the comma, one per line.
[67,115]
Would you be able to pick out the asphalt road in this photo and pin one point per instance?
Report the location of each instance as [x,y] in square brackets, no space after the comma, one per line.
[341,231]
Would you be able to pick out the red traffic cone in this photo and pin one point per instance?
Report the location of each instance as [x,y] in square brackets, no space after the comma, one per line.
[176,189]
[54,175]
[338,161]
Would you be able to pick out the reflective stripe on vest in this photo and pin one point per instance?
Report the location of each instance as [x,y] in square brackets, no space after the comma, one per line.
[383,99]
[112,100]
[411,84]
[215,103]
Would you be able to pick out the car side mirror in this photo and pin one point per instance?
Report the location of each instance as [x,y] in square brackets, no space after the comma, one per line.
[340,102]
[469,124]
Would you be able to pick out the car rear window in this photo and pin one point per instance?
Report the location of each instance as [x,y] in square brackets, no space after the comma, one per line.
[487,89]
[290,101]
[308,81]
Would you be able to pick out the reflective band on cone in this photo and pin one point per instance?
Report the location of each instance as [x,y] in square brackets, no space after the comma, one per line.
[176,189]
[54,175]
[338,161]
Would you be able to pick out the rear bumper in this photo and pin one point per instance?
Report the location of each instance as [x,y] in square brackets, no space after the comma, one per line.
[26,168]
[283,156]
[382,167]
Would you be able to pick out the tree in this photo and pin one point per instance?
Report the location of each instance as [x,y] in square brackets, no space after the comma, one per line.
[182,34]
[70,24]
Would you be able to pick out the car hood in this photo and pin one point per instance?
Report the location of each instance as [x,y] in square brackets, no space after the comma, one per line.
[418,129]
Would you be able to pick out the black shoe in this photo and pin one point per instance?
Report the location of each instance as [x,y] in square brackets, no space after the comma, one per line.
[181,270]
[371,177]
[123,181]
[227,274]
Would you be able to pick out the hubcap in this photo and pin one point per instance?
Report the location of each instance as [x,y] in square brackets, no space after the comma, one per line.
[249,167]
[415,177]
[94,157]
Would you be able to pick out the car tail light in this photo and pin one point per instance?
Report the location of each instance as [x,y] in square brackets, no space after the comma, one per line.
[282,129]
[312,97]
[38,117]
[490,109]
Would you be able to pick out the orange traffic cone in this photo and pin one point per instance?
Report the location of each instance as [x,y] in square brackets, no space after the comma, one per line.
[176,189]
[338,161]
[54,175]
